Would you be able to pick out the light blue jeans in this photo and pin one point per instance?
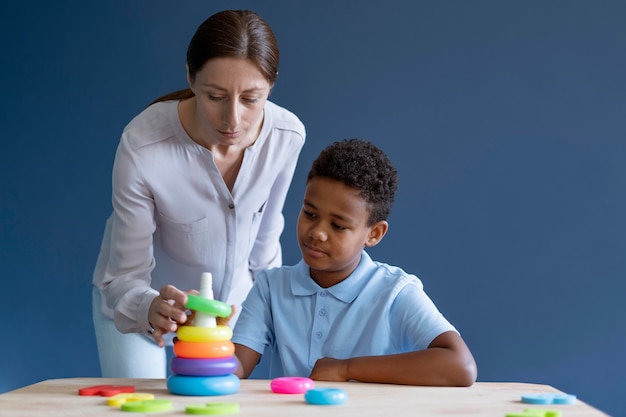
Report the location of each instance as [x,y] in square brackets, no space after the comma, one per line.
[131,355]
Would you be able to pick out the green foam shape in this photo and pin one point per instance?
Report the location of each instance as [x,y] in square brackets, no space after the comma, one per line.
[147,406]
[212,408]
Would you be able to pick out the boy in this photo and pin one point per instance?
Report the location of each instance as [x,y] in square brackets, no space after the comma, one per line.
[338,315]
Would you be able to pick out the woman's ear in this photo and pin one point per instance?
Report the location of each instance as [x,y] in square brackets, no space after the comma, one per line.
[376,233]
[189,80]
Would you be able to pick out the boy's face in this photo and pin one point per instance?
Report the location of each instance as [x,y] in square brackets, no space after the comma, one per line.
[333,230]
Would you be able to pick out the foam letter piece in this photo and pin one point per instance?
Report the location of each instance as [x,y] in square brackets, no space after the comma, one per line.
[147,406]
[548,399]
[106,390]
[325,396]
[212,408]
[119,399]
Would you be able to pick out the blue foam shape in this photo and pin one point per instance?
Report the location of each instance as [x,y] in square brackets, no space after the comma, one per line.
[325,396]
[548,399]
[564,399]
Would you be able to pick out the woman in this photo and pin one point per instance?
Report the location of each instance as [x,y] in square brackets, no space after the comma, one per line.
[199,182]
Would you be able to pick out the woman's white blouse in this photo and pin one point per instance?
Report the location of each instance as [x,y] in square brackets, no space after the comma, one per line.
[174,217]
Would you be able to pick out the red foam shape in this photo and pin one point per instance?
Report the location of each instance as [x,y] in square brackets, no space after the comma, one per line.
[106,390]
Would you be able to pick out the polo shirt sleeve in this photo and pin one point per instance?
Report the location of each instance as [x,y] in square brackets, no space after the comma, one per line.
[415,320]
[254,327]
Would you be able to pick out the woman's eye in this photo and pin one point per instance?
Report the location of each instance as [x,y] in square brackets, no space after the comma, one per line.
[215,98]
[250,100]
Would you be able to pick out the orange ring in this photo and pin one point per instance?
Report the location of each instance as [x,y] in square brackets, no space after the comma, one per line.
[204,350]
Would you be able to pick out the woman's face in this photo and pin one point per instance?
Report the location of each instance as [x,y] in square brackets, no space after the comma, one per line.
[230,95]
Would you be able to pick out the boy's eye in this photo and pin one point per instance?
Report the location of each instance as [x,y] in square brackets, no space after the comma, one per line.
[308,214]
[338,227]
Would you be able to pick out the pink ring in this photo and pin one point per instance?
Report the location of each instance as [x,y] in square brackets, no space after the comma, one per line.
[291,385]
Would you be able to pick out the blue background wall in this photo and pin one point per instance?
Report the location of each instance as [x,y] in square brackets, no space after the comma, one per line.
[505,120]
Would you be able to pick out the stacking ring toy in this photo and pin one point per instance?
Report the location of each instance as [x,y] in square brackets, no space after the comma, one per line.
[203,386]
[205,305]
[204,350]
[291,385]
[325,396]
[204,334]
[147,406]
[203,367]
[213,408]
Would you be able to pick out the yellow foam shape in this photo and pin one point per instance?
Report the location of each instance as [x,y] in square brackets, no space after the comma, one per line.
[119,399]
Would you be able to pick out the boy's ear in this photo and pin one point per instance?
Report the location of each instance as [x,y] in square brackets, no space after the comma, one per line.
[376,233]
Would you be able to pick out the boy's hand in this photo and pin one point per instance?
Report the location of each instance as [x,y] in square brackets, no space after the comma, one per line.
[330,369]
[223,321]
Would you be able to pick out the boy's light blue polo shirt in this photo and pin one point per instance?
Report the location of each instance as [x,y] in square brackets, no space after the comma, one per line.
[378,310]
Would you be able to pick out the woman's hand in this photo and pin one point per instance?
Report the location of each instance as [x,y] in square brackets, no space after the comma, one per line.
[167,312]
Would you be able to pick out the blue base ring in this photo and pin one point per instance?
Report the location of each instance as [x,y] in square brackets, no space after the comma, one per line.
[325,396]
[203,385]
[203,367]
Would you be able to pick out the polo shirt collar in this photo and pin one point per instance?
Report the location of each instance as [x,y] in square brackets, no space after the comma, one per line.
[347,290]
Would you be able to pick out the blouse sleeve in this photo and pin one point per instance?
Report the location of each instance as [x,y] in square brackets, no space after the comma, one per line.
[126,281]
[266,252]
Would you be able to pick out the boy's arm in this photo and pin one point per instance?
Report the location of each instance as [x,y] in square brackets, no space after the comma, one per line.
[247,359]
[446,362]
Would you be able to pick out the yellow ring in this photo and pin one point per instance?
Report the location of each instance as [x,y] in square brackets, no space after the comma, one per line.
[204,334]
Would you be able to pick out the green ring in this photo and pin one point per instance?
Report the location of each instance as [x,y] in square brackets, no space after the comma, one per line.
[213,408]
[204,305]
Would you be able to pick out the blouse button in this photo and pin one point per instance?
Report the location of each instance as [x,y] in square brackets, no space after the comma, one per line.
[231,206]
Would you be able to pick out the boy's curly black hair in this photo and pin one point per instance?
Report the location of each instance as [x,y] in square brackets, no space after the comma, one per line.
[360,165]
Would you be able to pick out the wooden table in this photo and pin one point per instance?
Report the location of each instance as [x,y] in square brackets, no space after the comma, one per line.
[59,397]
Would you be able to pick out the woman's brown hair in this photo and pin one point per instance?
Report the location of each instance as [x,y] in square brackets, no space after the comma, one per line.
[231,33]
